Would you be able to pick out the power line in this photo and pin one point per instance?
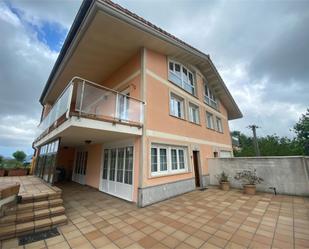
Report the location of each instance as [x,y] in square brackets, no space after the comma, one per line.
[255,142]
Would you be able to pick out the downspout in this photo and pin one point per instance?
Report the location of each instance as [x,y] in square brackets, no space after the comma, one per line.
[142,160]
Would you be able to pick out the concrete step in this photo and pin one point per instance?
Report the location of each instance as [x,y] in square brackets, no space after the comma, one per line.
[33,206]
[40,197]
[31,215]
[24,228]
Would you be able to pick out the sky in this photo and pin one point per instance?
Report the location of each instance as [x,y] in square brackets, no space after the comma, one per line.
[260,49]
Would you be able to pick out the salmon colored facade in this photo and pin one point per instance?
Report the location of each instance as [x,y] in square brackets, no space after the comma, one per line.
[140,133]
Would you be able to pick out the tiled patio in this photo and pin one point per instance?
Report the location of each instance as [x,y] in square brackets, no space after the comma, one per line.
[200,219]
[29,185]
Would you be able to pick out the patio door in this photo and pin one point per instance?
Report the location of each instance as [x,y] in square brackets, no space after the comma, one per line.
[123,105]
[117,172]
[80,167]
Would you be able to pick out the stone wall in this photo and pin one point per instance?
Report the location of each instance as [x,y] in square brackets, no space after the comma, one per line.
[289,175]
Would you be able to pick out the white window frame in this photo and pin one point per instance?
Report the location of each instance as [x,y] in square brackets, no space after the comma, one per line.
[183,79]
[182,106]
[169,170]
[219,124]
[191,107]
[209,97]
[212,126]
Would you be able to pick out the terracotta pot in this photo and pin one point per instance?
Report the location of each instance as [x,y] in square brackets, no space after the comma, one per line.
[225,186]
[250,189]
[17,172]
[2,172]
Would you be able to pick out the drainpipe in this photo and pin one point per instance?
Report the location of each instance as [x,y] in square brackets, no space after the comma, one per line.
[142,160]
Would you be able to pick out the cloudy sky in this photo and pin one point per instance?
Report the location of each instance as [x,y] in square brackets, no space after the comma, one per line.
[259,47]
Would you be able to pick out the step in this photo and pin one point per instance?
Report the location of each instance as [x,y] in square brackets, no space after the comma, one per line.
[32,215]
[29,227]
[40,197]
[38,205]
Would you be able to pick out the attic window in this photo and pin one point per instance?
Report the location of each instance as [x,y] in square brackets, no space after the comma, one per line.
[209,98]
[181,76]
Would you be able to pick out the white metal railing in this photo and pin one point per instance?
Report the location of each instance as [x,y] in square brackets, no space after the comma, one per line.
[88,99]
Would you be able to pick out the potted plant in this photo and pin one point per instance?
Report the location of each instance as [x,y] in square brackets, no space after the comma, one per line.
[249,180]
[223,179]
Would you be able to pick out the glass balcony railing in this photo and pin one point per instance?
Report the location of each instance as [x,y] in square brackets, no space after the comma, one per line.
[87,99]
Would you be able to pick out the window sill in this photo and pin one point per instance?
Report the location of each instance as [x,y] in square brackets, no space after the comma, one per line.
[198,124]
[183,119]
[159,175]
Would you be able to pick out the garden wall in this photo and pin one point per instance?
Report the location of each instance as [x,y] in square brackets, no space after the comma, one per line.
[289,175]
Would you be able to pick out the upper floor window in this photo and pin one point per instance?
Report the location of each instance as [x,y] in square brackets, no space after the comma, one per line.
[181,76]
[194,116]
[219,124]
[210,120]
[209,97]
[177,106]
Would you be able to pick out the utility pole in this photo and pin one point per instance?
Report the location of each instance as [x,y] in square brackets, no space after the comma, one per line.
[255,142]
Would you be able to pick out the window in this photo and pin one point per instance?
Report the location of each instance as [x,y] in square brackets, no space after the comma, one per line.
[209,97]
[168,159]
[181,76]
[209,120]
[177,106]
[194,115]
[219,124]
[159,160]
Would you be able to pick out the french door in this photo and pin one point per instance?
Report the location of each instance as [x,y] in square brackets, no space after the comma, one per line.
[117,172]
[80,167]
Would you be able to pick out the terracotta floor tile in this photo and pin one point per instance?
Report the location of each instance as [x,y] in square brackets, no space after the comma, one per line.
[148,242]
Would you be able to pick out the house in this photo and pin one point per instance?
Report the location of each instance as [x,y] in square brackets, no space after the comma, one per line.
[130,109]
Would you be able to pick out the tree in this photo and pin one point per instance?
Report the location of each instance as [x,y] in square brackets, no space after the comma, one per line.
[301,128]
[1,160]
[19,155]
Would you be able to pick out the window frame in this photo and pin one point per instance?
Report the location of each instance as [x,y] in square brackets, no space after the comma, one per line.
[210,98]
[182,77]
[170,170]
[182,107]
[191,119]
[219,128]
[212,120]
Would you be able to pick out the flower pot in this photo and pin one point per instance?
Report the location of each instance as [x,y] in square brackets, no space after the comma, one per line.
[225,186]
[250,189]
[2,172]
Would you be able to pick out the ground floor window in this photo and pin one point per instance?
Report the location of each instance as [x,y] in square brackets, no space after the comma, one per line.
[167,159]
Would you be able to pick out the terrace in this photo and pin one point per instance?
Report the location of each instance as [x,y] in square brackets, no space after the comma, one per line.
[199,219]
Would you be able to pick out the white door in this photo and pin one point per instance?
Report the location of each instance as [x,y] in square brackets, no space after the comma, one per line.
[117,173]
[123,105]
[80,167]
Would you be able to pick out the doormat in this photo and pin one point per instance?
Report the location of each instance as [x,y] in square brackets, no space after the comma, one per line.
[33,237]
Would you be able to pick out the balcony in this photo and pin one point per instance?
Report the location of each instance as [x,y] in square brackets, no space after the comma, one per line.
[83,99]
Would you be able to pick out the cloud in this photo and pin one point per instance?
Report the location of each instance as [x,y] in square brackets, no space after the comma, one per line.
[25,63]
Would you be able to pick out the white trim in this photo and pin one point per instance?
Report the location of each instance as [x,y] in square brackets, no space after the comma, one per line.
[182,82]
[182,105]
[158,134]
[117,145]
[90,124]
[189,96]
[169,170]
[190,113]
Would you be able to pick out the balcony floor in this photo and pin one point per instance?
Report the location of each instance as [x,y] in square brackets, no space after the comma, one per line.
[200,219]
